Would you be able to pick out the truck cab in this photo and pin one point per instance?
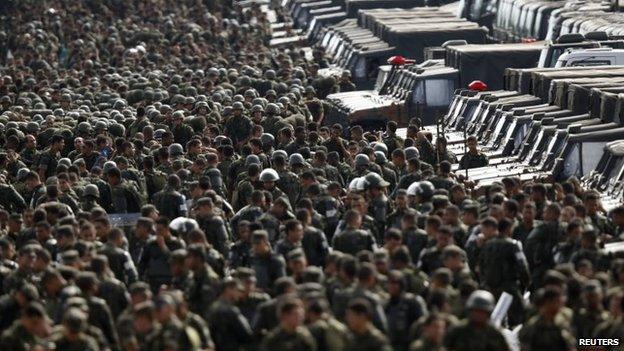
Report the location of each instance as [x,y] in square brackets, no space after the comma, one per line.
[591,57]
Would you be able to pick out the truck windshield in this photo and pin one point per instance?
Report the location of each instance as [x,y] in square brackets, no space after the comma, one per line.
[572,162]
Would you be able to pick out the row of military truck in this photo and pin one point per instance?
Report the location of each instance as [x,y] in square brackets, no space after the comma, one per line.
[554,103]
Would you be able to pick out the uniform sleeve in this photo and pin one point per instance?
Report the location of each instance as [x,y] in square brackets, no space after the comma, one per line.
[131,272]
[17,200]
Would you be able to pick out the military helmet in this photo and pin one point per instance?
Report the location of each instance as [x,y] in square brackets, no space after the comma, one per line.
[481,300]
[22,173]
[361,160]
[411,152]
[380,147]
[117,130]
[310,90]
[84,127]
[380,157]
[296,159]
[179,114]
[284,100]
[217,96]
[411,189]
[353,184]
[250,93]
[270,74]
[238,97]
[374,180]
[65,162]
[425,189]
[101,125]
[257,108]
[273,109]
[32,127]
[91,190]
[279,152]
[176,149]
[270,92]
[238,106]
[269,175]
[252,159]
[267,139]
[158,133]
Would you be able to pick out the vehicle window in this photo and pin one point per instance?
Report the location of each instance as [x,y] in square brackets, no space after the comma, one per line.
[591,155]
[381,78]
[556,52]
[543,57]
[360,68]
[439,92]
[572,162]
[585,63]
[418,97]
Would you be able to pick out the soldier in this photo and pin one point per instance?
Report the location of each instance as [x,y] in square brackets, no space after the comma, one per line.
[587,318]
[267,265]
[290,335]
[26,333]
[364,336]
[366,283]
[345,84]
[125,198]
[434,328]
[72,335]
[476,333]
[353,239]
[314,105]
[402,310]
[473,158]
[250,298]
[204,287]
[288,181]
[120,261]
[30,154]
[10,199]
[48,160]
[239,126]
[169,202]
[212,225]
[229,328]
[273,122]
[502,267]
[541,242]
[379,207]
[269,178]
[292,240]
[443,179]
[545,331]
[90,197]
[153,265]
[182,133]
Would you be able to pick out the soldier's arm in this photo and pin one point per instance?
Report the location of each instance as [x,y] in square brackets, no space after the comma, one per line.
[242,328]
[17,200]
[131,272]
[522,266]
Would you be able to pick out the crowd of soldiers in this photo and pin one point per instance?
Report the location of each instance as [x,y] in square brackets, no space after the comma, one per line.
[167,183]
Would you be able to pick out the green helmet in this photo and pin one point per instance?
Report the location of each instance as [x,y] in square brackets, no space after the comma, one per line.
[257,108]
[273,109]
[481,300]
[91,190]
[361,160]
